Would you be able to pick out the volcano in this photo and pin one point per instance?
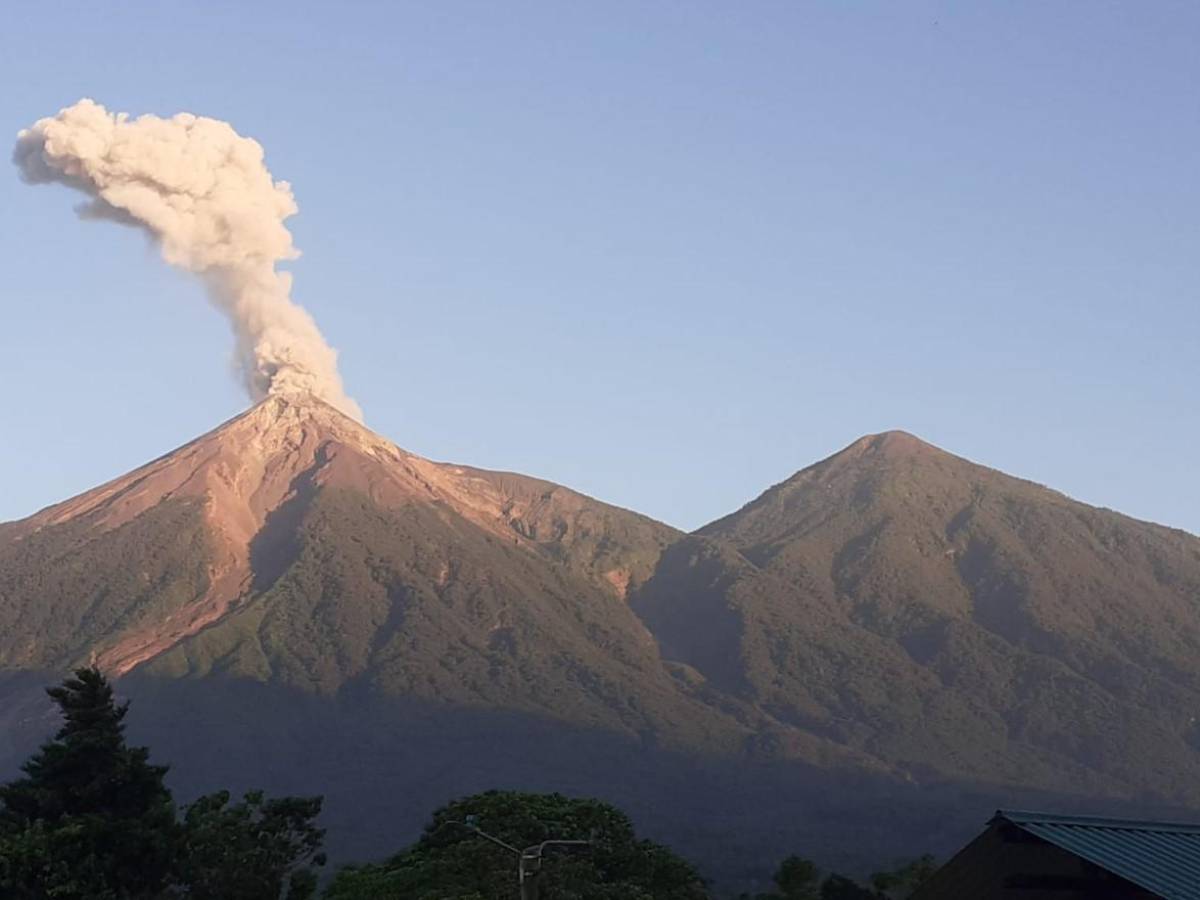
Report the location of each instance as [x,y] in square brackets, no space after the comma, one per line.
[860,664]
[294,546]
[248,508]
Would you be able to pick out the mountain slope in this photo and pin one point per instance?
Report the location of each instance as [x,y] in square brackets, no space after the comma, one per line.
[292,544]
[243,486]
[951,621]
[861,663]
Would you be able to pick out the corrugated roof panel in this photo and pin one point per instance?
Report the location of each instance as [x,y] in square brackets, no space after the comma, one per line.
[1163,857]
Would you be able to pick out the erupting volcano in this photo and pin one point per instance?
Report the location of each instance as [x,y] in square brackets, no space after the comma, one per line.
[293,601]
[893,626]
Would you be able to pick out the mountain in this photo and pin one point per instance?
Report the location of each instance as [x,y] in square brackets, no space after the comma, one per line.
[292,545]
[856,665]
[950,620]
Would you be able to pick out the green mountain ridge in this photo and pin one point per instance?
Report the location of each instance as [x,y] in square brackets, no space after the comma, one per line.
[955,620]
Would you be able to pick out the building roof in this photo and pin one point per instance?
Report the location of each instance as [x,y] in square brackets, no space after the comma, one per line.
[1162,857]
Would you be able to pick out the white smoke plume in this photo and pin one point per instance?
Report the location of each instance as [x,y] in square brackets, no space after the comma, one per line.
[203,193]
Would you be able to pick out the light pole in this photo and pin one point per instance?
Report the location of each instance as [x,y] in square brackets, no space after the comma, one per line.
[529,860]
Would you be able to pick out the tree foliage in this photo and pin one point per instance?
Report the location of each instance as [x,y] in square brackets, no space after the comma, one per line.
[452,862]
[903,880]
[92,819]
[253,849]
[839,887]
[800,879]
[797,879]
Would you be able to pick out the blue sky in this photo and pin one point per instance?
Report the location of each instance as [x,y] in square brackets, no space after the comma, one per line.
[663,253]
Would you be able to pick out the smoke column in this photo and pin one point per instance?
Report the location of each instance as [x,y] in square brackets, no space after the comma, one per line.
[202,192]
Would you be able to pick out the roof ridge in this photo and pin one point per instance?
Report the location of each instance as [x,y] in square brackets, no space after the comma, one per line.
[1029,817]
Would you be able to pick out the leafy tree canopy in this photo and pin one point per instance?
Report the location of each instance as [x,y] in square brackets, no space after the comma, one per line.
[903,880]
[800,879]
[258,848]
[839,887]
[451,862]
[797,879]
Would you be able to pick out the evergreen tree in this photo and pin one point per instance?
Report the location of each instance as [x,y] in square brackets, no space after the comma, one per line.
[91,819]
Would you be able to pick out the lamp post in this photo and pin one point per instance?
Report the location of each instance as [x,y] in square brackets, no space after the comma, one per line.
[529,860]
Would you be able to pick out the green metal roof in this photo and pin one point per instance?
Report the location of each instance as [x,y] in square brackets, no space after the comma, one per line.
[1162,857]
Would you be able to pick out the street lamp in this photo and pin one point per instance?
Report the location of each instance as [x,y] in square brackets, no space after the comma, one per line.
[529,860]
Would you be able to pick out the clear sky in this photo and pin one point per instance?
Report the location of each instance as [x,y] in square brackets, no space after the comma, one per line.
[664,253]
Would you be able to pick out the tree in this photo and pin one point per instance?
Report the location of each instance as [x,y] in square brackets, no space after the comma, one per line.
[839,887]
[258,848]
[905,879]
[91,819]
[800,879]
[797,879]
[451,862]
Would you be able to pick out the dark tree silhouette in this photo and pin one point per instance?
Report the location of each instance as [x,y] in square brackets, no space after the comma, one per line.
[839,887]
[900,882]
[797,879]
[92,818]
[452,861]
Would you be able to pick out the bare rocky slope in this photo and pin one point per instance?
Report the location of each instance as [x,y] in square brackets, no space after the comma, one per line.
[856,665]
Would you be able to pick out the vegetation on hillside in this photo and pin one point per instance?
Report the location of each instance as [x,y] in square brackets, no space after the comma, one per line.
[70,588]
[949,620]
[413,603]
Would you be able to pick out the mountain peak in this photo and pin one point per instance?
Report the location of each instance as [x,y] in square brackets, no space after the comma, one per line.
[292,406]
[301,401]
[282,420]
[889,444]
[859,476]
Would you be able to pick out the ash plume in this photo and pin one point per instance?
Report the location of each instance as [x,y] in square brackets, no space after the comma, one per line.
[204,194]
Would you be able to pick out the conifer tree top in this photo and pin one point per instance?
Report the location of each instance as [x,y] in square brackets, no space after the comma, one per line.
[87,705]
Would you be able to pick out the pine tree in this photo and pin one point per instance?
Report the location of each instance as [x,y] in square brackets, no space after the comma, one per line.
[91,818]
